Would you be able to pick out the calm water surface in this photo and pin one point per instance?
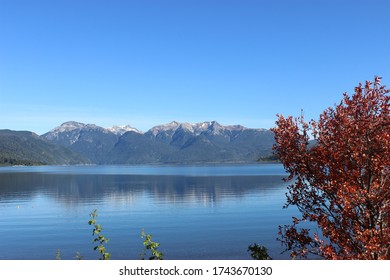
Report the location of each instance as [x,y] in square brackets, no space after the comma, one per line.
[195,212]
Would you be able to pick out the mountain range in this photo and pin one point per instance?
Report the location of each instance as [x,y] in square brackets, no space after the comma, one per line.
[74,142]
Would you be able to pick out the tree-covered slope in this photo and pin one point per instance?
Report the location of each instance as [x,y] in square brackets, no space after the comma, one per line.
[27,148]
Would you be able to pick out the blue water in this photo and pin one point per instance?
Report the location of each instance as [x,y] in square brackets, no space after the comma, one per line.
[195,212]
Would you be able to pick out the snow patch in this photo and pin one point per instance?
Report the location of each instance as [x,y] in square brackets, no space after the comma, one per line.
[122,129]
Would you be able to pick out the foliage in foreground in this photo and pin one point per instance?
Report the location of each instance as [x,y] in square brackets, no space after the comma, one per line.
[150,250]
[258,252]
[342,183]
[151,246]
[100,239]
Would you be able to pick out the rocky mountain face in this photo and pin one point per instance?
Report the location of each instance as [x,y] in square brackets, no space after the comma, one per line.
[170,143]
[89,140]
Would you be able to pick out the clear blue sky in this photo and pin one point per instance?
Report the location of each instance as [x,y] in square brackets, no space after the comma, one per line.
[145,62]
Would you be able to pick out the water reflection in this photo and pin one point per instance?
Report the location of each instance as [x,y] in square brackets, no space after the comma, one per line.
[79,189]
[195,214]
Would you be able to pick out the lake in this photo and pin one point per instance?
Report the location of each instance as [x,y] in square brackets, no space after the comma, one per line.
[195,212]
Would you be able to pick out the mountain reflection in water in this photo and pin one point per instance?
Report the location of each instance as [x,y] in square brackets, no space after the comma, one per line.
[193,216]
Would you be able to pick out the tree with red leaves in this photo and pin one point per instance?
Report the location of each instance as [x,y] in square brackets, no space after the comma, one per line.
[340,169]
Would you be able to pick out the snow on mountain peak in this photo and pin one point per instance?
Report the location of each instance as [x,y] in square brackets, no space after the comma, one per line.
[211,127]
[122,129]
[67,127]
[164,127]
[71,125]
[187,126]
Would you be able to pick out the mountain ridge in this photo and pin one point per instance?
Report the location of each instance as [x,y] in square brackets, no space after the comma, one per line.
[174,142]
[171,143]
